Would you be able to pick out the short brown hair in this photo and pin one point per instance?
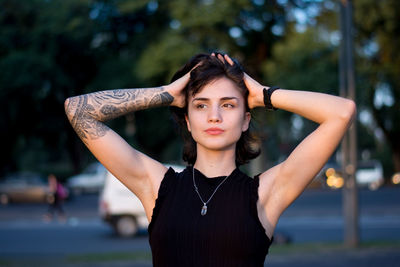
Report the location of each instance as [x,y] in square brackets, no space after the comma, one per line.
[210,69]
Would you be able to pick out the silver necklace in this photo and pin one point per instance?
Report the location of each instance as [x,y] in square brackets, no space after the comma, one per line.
[204,208]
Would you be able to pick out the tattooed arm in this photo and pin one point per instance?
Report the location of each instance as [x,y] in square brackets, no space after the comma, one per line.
[88,112]
[140,173]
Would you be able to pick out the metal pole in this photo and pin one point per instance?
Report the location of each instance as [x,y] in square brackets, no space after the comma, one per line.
[349,144]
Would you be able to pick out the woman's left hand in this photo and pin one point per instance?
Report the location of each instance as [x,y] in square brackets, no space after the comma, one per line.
[256,96]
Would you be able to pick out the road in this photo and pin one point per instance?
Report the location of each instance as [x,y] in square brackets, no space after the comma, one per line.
[314,217]
[317,216]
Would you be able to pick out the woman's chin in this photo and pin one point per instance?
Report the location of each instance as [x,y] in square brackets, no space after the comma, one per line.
[217,145]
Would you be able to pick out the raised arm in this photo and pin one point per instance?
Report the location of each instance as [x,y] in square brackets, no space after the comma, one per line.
[87,114]
[282,184]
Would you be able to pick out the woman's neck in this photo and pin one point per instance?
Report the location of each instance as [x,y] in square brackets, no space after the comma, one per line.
[215,163]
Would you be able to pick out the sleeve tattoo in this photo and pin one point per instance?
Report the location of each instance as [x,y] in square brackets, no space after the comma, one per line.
[88,112]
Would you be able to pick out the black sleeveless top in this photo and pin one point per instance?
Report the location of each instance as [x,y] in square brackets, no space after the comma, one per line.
[230,234]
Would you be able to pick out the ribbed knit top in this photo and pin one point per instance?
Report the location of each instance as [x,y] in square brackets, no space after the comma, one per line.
[230,234]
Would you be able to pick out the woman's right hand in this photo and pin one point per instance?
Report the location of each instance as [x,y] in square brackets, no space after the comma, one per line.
[176,90]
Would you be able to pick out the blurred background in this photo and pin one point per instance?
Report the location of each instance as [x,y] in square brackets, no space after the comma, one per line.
[53,49]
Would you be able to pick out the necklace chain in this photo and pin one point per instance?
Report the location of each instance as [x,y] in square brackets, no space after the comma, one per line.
[204,208]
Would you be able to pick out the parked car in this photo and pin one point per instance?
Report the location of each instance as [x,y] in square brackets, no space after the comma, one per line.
[369,173]
[121,209]
[25,187]
[91,180]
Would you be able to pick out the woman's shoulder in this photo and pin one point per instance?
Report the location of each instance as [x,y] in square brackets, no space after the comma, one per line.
[179,172]
[243,175]
[174,172]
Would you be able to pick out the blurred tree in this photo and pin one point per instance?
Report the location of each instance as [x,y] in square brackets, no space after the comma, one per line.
[378,38]
[241,27]
[50,50]
[45,55]
[307,57]
[303,61]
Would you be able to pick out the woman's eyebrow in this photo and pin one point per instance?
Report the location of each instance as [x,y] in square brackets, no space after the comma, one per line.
[200,99]
[229,98]
[221,99]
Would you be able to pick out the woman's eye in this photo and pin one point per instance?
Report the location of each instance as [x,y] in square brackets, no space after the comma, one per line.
[228,105]
[200,106]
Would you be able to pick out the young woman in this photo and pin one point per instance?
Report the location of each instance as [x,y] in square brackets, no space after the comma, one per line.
[211,214]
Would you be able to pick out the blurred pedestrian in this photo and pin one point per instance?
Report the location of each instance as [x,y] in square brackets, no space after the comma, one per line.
[59,194]
[211,214]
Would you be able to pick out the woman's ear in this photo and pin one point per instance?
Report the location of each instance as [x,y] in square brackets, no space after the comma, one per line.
[187,123]
[246,121]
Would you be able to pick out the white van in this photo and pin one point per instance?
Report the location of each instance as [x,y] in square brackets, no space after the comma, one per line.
[120,208]
[370,173]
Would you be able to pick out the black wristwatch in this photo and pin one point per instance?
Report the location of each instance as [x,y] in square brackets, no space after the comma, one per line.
[267,97]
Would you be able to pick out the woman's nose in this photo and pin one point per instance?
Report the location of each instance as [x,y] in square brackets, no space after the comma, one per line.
[214,115]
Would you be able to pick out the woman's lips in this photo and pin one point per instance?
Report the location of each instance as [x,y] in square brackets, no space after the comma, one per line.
[214,131]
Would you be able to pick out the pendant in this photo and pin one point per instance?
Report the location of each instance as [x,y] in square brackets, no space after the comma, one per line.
[204,210]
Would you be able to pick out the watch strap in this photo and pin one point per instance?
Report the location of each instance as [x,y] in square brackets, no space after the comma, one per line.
[267,97]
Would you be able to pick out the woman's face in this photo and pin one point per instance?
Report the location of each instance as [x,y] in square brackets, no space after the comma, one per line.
[217,115]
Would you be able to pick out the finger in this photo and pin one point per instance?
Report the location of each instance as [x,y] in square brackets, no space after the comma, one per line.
[220,57]
[215,54]
[198,64]
[229,60]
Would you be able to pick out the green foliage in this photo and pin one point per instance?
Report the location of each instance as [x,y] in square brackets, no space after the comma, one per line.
[162,59]
[304,62]
[308,61]
[44,57]
[378,25]
[50,50]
